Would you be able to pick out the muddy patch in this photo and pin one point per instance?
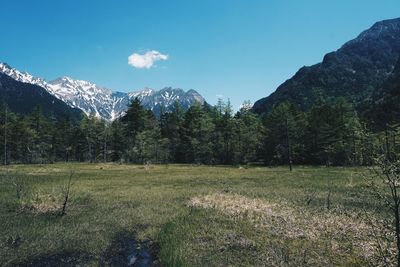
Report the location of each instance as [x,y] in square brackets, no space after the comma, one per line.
[62,259]
[125,250]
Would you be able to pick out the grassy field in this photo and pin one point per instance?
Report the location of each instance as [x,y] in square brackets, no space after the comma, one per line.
[185,216]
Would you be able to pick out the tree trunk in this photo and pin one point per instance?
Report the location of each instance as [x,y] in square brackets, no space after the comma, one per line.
[289,145]
[5,137]
[105,151]
[90,153]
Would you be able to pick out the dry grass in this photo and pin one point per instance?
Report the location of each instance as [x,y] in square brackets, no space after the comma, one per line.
[282,220]
[42,203]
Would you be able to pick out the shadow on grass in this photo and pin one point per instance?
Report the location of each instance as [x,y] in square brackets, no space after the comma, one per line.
[62,259]
[125,250]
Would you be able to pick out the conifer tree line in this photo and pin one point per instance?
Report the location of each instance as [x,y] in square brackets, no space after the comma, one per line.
[328,134]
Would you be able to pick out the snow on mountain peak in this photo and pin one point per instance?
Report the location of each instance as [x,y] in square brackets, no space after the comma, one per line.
[85,95]
[103,102]
[21,76]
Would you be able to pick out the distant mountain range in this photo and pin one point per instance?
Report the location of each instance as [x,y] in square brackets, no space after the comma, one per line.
[363,71]
[23,98]
[357,71]
[103,102]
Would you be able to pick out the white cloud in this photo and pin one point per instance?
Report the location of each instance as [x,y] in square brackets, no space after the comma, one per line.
[147,60]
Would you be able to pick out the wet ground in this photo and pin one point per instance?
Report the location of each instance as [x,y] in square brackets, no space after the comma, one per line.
[124,251]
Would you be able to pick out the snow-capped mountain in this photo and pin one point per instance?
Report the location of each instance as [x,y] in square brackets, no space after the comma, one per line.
[89,97]
[21,76]
[103,102]
[166,98]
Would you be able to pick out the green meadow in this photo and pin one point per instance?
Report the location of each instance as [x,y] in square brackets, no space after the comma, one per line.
[186,215]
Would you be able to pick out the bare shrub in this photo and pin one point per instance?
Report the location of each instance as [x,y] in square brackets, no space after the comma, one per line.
[16,181]
[18,185]
[328,197]
[384,184]
[310,196]
[66,193]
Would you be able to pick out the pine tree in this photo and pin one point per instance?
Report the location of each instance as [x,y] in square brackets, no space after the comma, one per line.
[171,129]
[197,136]
[133,121]
[248,133]
[284,142]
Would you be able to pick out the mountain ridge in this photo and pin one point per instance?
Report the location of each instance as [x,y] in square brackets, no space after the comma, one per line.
[23,98]
[354,71]
[103,102]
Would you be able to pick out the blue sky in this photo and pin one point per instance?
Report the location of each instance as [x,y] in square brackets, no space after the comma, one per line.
[240,50]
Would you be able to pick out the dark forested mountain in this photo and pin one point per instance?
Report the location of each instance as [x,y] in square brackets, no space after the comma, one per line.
[383,108]
[355,71]
[23,98]
[103,102]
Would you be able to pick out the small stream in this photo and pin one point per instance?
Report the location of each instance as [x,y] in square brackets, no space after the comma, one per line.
[126,251]
[138,255]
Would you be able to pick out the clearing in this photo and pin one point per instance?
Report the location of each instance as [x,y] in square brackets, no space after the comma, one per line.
[183,215]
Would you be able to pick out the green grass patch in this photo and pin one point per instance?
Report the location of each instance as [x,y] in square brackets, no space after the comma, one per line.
[152,202]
